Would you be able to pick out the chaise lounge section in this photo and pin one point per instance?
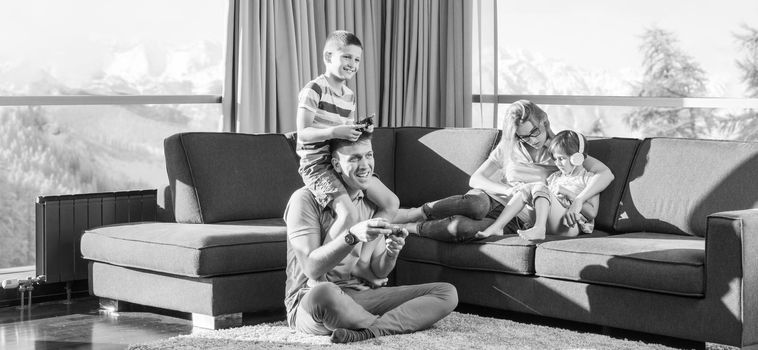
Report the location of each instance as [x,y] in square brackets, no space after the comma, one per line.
[674,251]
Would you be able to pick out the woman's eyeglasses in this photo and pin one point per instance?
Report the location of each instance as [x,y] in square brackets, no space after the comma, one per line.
[533,134]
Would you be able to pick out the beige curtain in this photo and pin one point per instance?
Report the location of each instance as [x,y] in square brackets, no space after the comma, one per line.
[415,69]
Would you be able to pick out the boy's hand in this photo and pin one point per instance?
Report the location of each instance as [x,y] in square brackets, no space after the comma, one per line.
[347,132]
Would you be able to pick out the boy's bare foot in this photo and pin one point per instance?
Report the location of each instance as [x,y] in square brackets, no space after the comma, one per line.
[488,232]
[532,234]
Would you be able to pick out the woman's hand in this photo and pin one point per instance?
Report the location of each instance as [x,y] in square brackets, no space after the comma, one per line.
[573,213]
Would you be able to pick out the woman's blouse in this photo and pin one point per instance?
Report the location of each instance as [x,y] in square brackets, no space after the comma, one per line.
[520,168]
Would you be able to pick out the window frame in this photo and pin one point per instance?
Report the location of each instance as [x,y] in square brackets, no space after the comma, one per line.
[89,100]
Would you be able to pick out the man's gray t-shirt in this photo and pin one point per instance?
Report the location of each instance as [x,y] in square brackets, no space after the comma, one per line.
[305,217]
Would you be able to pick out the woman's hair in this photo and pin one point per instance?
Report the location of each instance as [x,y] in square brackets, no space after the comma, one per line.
[520,112]
[568,142]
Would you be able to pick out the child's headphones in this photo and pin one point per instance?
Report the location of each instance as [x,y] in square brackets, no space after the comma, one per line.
[577,158]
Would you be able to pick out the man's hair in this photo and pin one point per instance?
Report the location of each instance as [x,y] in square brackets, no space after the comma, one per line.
[340,39]
[336,144]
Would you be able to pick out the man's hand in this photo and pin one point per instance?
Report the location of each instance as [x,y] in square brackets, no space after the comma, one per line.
[395,242]
[368,230]
[347,132]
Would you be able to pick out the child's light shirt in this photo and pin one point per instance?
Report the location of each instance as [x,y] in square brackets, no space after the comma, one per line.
[520,168]
[574,183]
[331,108]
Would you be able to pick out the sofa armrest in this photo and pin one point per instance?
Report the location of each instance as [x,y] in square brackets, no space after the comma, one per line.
[731,255]
[164,201]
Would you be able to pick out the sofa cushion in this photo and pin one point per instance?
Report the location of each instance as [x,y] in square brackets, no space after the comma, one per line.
[383,142]
[216,177]
[436,163]
[674,184]
[509,254]
[189,249]
[647,261]
[617,154]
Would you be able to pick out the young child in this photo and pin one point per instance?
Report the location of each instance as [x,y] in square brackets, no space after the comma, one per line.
[326,110]
[551,200]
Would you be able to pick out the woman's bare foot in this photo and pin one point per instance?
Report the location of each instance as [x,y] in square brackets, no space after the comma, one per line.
[532,234]
[490,231]
[411,227]
[417,214]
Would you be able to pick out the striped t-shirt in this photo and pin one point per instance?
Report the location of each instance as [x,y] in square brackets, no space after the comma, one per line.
[331,108]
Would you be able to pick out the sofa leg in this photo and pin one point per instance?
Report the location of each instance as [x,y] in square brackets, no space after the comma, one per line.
[217,322]
[111,305]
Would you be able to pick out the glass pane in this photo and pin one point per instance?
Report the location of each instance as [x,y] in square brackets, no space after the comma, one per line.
[701,123]
[611,48]
[139,47]
[52,150]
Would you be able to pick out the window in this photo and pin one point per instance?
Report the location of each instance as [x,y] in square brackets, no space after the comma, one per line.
[89,92]
[619,69]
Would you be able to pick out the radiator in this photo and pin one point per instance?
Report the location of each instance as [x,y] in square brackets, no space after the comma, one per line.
[61,220]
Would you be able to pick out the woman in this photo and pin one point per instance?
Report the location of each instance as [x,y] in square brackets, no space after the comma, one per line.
[521,157]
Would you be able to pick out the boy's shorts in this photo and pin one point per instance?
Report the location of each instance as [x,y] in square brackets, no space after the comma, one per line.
[323,181]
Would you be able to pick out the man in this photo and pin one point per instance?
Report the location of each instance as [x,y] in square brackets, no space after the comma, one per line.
[334,284]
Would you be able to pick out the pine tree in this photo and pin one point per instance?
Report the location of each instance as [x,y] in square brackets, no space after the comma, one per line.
[669,72]
[749,64]
[745,125]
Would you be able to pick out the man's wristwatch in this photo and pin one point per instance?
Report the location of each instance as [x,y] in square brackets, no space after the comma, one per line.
[351,239]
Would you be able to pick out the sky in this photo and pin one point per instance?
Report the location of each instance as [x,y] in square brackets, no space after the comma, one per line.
[72,38]
[606,34]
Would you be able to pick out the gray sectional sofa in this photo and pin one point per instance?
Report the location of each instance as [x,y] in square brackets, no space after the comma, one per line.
[675,250]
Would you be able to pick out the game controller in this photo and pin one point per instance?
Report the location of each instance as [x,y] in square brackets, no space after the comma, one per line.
[368,121]
[397,230]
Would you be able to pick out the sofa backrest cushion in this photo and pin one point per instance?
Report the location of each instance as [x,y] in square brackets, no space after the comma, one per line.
[617,154]
[217,177]
[674,184]
[436,163]
[383,142]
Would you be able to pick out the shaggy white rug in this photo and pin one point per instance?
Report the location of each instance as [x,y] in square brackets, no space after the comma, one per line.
[457,331]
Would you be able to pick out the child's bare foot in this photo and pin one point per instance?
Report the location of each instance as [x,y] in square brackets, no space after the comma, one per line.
[534,233]
[488,232]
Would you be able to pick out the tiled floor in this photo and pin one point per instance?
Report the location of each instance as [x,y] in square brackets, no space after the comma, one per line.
[80,325]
